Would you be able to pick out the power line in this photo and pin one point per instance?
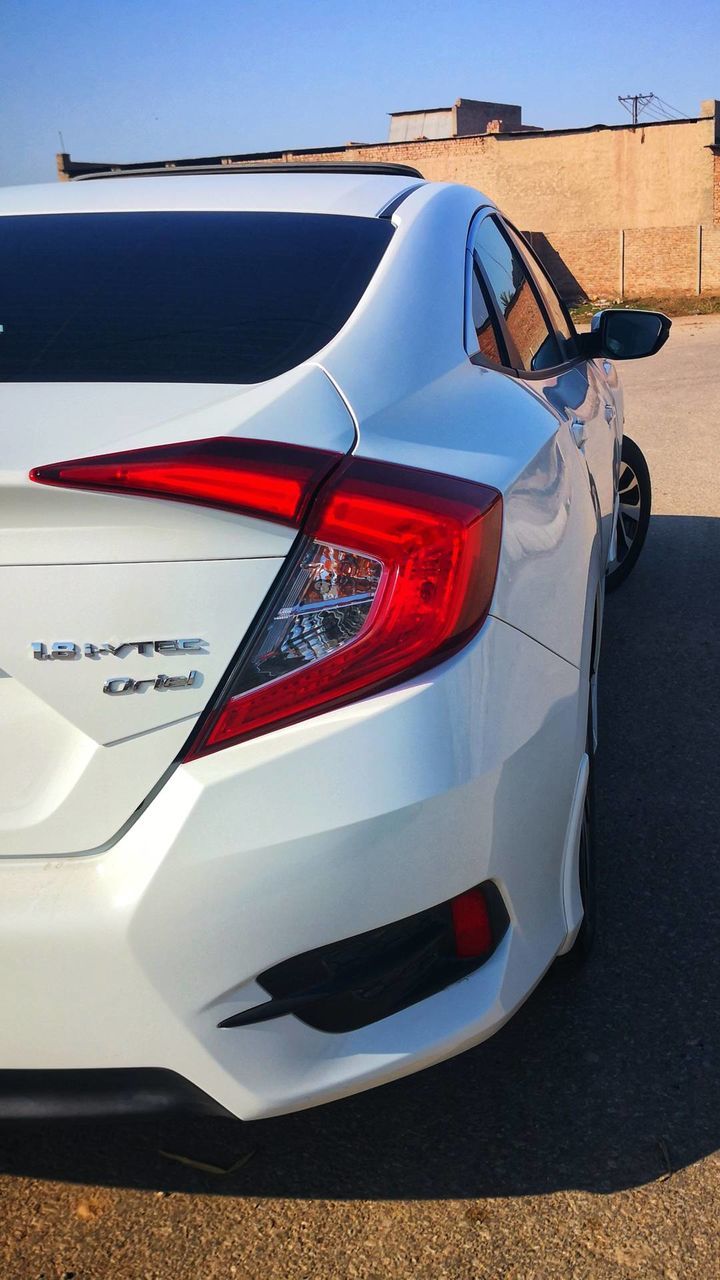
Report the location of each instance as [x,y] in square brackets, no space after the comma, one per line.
[651,105]
[660,113]
[657,116]
[683,115]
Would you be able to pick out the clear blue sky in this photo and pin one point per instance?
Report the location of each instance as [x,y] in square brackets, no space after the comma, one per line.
[151,79]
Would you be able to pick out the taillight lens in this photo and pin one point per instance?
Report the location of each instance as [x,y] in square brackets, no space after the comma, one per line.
[251,477]
[325,607]
[394,573]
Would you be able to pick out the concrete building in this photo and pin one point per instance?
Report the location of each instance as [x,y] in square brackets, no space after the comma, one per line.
[467,116]
[615,211]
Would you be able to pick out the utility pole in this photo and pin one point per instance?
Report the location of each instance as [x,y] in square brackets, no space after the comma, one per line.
[638,100]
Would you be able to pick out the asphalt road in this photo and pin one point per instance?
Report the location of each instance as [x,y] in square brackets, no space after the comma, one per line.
[580,1142]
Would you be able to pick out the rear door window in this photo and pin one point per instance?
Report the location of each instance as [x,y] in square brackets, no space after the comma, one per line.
[551,299]
[510,285]
[224,297]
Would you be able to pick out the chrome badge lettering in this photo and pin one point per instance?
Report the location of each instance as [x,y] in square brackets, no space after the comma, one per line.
[69,651]
[119,685]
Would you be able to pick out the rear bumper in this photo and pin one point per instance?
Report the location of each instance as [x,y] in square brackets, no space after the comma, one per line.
[108,1094]
[130,958]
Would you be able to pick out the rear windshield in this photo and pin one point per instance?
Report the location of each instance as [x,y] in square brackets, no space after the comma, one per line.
[177,297]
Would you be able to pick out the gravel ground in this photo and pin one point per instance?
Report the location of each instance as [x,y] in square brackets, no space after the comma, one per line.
[580,1142]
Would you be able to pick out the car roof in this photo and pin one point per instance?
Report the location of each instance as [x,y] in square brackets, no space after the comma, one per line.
[351,193]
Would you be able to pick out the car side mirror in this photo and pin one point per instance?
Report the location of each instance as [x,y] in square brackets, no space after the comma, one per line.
[626,335]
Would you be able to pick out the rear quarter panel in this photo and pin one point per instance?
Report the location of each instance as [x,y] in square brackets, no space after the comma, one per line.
[417,399]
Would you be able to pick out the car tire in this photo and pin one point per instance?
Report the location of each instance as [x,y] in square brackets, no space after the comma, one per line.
[635,493]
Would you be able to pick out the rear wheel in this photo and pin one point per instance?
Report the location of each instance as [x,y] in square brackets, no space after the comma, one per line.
[635,499]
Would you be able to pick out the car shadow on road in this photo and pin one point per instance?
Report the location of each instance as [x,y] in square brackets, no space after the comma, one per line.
[600,1081]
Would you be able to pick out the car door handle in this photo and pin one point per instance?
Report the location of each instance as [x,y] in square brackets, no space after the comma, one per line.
[579,434]
[609,413]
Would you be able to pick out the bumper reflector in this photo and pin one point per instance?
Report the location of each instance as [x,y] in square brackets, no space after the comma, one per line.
[471,924]
[348,984]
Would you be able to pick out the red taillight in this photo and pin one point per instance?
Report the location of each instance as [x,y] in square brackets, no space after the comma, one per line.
[472,929]
[394,570]
[252,477]
[395,573]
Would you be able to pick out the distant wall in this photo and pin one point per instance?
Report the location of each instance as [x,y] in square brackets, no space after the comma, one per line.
[653,176]
[612,212]
[634,262]
[421,124]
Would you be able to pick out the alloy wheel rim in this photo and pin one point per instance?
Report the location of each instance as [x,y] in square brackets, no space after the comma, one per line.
[629,512]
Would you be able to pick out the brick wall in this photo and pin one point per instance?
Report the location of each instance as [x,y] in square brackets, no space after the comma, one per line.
[582,263]
[611,213]
[710,274]
[633,263]
[661,260]
[716,185]
[656,175]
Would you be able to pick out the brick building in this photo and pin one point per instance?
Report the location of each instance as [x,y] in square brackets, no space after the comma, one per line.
[464,118]
[615,211]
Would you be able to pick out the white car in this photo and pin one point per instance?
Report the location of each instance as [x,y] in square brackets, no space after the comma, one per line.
[309,490]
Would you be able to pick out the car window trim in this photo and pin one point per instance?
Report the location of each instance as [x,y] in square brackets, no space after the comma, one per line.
[514,366]
[504,341]
[471,270]
[498,220]
[515,369]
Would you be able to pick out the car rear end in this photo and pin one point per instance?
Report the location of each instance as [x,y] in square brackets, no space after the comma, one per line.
[244,831]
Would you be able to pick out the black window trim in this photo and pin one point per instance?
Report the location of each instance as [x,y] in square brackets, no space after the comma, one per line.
[518,367]
[472,269]
[515,368]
